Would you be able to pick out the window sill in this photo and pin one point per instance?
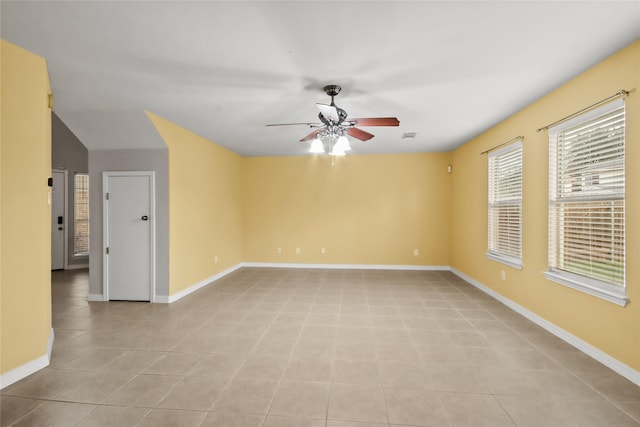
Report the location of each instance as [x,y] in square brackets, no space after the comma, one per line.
[592,287]
[510,261]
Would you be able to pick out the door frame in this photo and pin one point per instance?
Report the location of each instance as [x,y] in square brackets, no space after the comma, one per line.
[152,230]
[65,213]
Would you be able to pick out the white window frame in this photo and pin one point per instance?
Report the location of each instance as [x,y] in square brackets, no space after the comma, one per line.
[615,293]
[75,217]
[494,224]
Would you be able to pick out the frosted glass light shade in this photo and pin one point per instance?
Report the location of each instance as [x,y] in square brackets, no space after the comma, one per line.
[316,147]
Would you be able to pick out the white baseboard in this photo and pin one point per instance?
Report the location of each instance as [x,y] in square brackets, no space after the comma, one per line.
[95,298]
[183,293]
[348,266]
[77,266]
[29,368]
[602,357]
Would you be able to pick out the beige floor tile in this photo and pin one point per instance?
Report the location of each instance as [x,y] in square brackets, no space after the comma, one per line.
[507,340]
[512,382]
[318,332]
[46,384]
[475,410]
[144,391]
[391,335]
[136,361]
[338,423]
[282,347]
[322,319]
[285,329]
[268,368]
[55,414]
[406,352]
[563,385]
[415,407]
[93,359]
[217,364]
[531,411]
[357,403]
[194,393]
[198,342]
[313,349]
[14,408]
[577,361]
[469,339]
[174,364]
[246,396]
[347,371]
[97,387]
[597,413]
[631,408]
[301,400]
[463,379]
[611,385]
[317,370]
[354,320]
[428,334]
[404,374]
[273,421]
[227,419]
[355,350]
[172,418]
[234,344]
[108,416]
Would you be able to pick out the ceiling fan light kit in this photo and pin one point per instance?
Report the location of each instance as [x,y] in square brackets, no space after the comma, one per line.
[330,135]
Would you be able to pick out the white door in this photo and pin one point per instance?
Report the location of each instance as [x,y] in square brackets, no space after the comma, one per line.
[58,219]
[128,235]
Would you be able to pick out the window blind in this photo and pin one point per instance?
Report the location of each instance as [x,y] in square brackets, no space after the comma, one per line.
[587,196]
[81,215]
[505,204]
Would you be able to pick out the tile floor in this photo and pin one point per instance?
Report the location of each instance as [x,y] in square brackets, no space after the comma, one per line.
[312,348]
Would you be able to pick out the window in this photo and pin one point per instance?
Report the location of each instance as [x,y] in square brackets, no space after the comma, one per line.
[81,215]
[505,205]
[587,203]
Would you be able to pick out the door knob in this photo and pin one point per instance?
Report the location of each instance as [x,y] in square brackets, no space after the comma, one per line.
[144,218]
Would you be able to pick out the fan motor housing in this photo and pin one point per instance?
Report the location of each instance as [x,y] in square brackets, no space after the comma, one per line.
[342,115]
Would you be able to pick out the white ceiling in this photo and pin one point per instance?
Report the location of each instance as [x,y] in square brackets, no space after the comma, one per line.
[448,70]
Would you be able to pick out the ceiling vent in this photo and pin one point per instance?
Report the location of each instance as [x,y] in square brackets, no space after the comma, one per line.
[408,135]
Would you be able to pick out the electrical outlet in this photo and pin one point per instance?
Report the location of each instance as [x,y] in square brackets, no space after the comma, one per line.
[215,259]
[503,275]
[279,250]
[323,251]
[297,251]
[416,252]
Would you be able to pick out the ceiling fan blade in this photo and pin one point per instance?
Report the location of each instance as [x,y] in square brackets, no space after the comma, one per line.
[312,135]
[291,124]
[376,121]
[360,134]
[329,112]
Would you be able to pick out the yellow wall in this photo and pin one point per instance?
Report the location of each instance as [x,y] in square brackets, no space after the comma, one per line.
[612,329]
[367,209]
[25,144]
[205,206]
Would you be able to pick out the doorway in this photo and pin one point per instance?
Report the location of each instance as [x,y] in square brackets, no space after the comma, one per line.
[129,235]
[59,220]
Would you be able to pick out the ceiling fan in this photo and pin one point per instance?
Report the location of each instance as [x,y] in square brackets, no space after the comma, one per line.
[335,124]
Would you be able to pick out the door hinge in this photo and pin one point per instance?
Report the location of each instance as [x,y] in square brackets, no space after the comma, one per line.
[106,196]
[107,250]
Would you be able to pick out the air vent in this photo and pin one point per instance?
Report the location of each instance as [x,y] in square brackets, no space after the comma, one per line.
[408,135]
